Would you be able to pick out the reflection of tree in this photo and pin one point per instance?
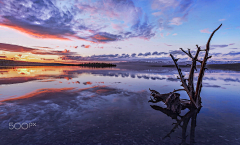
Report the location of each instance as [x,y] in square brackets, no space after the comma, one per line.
[182,121]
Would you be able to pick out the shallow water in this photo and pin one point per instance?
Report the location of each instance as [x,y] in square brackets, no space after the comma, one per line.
[75,105]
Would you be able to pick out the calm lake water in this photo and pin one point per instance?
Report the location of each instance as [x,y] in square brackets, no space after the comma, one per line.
[75,105]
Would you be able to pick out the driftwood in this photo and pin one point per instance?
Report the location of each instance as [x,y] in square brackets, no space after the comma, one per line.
[172,99]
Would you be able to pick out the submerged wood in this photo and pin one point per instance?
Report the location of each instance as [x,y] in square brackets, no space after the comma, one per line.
[172,99]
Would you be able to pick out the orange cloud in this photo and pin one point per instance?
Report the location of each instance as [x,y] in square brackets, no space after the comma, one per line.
[87,46]
[66,51]
[34,34]
[87,83]
[102,38]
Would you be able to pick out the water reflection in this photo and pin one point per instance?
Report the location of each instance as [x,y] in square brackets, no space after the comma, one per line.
[89,106]
[181,121]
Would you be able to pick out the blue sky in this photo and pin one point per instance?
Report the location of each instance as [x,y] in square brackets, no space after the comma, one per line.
[116,30]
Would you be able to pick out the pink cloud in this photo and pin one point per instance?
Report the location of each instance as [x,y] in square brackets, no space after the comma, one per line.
[167,44]
[205,31]
[157,13]
[176,21]
[119,27]
[221,19]
[162,35]
[174,34]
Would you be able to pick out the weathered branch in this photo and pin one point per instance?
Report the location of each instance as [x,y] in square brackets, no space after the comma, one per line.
[201,73]
[188,53]
[191,73]
[178,90]
[184,84]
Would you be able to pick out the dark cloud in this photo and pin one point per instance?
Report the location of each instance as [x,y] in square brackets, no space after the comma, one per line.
[159,53]
[215,54]
[222,46]
[115,57]
[133,55]
[40,18]
[104,37]
[93,57]
[110,55]
[124,56]
[17,48]
[147,54]
[232,53]
[3,57]
[179,52]
[155,53]
[47,19]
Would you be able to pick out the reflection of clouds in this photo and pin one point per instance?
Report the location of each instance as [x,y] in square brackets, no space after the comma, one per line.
[232,80]
[210,85]
[209,78]
[47,81]
[68,73]
[45,105]
[17,80]
[173,79]
[72,113]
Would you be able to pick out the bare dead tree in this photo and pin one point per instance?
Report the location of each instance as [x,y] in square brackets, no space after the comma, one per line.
[188,84]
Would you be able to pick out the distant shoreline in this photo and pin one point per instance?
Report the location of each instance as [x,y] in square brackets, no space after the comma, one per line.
[138,66]
[234,66]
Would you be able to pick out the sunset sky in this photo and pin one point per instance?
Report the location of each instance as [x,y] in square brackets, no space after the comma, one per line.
[116,30]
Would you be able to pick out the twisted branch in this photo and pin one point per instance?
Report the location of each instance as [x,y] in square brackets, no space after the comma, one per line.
[184,84]
[201,73]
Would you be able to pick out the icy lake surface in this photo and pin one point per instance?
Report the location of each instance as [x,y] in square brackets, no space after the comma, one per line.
[75,105]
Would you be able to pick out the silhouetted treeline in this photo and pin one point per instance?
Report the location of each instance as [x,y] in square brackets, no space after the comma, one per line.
[96,65]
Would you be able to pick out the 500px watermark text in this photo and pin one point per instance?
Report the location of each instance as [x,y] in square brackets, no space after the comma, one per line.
[18,125]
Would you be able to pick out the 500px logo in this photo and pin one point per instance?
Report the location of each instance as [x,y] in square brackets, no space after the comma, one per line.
[18,125]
